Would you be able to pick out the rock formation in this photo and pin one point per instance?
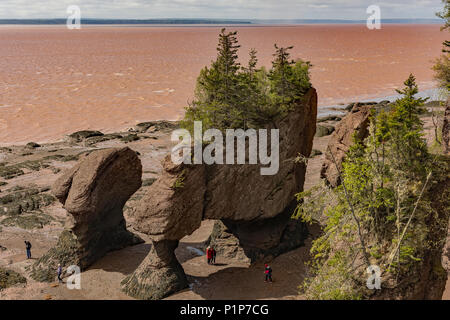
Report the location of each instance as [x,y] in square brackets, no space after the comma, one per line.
[357,121]
[93,192]
[255,208]
[446,129]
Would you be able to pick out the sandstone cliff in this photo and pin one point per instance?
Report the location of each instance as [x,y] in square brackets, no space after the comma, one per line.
[357,121]
[446,129]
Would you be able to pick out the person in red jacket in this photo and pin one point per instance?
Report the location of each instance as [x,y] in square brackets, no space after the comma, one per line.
[209,255]
[268,273]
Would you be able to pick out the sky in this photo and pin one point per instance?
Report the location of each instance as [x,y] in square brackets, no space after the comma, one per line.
[219,9]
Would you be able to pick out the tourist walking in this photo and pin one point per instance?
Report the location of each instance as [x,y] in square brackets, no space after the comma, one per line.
[28,248]
[268,273]
[59,273]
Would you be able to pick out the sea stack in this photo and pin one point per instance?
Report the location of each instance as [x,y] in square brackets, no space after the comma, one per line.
[256,208]
[93,192]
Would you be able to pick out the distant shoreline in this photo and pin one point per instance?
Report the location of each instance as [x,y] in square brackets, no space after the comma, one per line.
[203,22]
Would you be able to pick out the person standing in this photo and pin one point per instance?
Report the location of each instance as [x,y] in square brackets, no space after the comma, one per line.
[59,273]
[208,255]
[268,273]
[28,248]
[213,255]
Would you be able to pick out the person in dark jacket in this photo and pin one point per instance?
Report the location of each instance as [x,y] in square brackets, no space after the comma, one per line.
[213,255]
[28,248]
[59,271]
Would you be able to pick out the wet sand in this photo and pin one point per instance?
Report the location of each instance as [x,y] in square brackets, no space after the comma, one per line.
[55,81]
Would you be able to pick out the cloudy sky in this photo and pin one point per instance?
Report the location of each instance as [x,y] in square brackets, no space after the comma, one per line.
[228,9]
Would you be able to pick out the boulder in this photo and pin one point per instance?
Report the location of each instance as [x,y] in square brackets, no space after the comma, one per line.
[324,130]
[225,243]
[32,145]
[255,208]
[93,192]
[357,121]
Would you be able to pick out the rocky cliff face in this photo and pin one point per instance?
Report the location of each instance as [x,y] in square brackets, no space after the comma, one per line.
[255,208]
[446,129]
[93,192]
[357,121]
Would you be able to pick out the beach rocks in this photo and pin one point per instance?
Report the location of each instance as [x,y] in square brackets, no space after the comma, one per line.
[32,145]
[93,192]
[80,136]
[357,121]
[256,209]
[155,126]
[329,118]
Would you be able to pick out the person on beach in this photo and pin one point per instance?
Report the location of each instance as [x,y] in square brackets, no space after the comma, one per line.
[28,248]
[268,273]
[208,255]
[59,271]
[213,255]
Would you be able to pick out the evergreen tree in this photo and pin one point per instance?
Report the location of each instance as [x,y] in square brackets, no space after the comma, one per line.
[386,182]
[228,95]
[406,128]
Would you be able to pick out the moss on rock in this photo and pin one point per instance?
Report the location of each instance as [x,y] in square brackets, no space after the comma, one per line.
[9,278]
[26,200]
[30,221]
[66,253]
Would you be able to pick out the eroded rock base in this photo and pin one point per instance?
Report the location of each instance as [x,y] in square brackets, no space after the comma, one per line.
[159,275]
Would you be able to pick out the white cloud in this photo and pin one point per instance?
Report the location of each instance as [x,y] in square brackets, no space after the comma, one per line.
[237,9]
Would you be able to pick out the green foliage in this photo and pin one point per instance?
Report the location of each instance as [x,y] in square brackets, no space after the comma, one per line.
[442,65]
[179,182]
[384,176]
[442,71]
[229,95]
[445,14]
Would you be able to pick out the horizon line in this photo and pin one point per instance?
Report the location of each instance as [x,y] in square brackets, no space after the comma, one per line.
[93,21]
